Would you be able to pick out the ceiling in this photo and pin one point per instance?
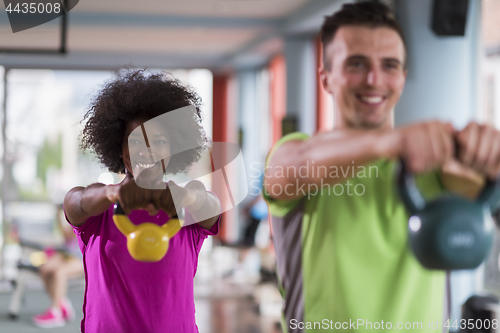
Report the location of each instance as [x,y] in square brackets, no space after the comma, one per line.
[206,8]
[215,34]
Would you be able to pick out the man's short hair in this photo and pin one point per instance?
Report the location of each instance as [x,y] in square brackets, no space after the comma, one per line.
[369,14]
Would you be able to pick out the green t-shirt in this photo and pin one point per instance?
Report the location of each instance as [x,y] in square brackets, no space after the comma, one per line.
[343,257]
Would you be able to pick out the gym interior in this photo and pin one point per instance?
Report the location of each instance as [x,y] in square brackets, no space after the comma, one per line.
[254,64]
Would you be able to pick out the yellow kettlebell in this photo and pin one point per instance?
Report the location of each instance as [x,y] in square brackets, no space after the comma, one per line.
[147,241]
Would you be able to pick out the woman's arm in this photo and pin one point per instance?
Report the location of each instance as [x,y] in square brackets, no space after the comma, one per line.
[81,203]
[212,208]
[203,206]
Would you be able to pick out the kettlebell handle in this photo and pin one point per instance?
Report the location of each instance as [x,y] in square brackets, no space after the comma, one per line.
[413,198]
[119,211]
[408,190]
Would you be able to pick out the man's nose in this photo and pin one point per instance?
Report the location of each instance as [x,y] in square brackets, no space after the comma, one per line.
[373,77]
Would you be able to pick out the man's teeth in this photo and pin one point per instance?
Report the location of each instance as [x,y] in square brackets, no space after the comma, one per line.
[372,99]
[146,165]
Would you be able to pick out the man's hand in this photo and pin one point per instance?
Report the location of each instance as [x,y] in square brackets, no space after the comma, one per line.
[479,149]
[426,146]
[462,180]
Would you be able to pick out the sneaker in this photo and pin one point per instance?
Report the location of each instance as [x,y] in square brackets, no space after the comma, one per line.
[67,310]
[50,318]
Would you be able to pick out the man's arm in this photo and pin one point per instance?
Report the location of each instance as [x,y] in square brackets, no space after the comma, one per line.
[341,148]
[423,146]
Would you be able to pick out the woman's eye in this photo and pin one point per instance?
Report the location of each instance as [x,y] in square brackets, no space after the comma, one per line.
[160,142]
[133,142]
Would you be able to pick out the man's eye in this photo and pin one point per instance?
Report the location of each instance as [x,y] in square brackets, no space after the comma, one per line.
[356,64]
[390,66]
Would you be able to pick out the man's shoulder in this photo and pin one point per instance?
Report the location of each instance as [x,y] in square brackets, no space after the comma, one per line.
[295,136]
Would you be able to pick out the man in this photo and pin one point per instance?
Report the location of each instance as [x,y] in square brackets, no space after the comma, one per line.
[339,226]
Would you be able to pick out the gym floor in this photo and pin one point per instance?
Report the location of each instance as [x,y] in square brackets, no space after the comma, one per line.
[213,315]
[225,303]
[221,315]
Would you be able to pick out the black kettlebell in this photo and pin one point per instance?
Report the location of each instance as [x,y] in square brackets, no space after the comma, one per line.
[450,232]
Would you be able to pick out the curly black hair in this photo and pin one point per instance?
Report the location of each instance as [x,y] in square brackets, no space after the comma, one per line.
[133,94]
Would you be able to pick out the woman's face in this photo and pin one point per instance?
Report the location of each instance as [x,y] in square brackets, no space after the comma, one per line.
[146,149]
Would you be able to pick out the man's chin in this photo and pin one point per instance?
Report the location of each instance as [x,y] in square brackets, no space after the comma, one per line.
[370,125]
[373,121]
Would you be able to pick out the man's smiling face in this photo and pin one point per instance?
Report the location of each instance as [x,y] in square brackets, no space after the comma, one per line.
[366,75]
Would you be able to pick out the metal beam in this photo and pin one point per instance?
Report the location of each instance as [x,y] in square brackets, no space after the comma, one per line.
[306,20]
[141,20]
[107,61]
[4,190]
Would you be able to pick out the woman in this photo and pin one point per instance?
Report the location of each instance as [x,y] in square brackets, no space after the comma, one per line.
[122,294]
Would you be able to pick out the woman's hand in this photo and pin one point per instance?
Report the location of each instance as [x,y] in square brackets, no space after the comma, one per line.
[131,197]
[205,208]
[193,197]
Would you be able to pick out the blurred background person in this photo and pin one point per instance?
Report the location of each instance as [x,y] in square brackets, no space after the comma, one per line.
[255,211]
[61,265]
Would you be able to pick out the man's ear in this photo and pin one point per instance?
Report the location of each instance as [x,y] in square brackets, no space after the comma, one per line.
[323,75]
[405,74]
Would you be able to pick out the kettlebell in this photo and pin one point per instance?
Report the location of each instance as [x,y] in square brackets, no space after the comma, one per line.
[147,241]
[449,232]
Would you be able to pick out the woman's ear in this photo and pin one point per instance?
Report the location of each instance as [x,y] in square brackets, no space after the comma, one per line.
[128,174]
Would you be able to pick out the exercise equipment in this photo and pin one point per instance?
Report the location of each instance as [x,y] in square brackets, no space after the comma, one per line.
[449,17]
[147,241]
[481,311]
[33,256]
[449,232]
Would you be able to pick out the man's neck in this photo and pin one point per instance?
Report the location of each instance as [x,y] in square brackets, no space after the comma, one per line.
[342,123]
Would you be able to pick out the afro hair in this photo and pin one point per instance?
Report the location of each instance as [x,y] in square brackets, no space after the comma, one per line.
[132,95]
